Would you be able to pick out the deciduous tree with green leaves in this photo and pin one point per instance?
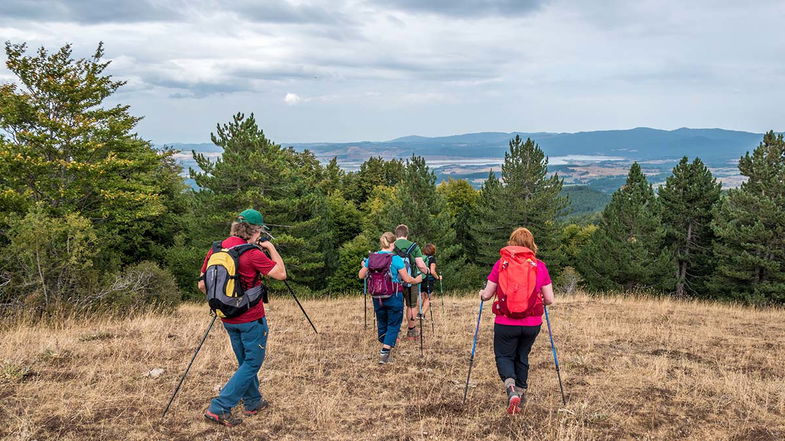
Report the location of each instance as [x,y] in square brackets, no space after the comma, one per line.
[750,227]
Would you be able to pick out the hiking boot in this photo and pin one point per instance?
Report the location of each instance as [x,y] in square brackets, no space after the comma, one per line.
[513,399]
[384,356]
[225,419]
[251,412]
[521,391]
[411,334]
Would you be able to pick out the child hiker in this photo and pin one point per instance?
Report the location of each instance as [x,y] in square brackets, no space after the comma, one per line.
[385,272]
[427,285]
[248,329]
[522,285]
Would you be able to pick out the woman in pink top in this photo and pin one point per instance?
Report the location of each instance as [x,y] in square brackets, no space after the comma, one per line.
[513,337]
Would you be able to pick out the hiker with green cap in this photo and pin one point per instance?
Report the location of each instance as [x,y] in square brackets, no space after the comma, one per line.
[248,330]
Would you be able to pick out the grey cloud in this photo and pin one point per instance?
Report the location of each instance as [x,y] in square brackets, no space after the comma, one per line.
[285,12]
[88,11]
[466,8]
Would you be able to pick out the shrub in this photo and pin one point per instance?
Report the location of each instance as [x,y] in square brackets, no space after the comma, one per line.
[140,287]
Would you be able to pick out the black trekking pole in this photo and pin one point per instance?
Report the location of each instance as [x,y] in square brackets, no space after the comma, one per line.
[182,378]
[555,358]
[433,326]
[471,359]
[291,291]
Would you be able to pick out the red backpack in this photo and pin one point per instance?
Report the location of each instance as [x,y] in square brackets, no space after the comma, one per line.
[517,280]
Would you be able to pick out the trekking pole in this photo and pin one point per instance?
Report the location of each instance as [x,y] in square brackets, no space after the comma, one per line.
[555,358]
[291,291]
[471,359]
[441,292]
[365,304]
[182,378]
[419,307]
[433,326]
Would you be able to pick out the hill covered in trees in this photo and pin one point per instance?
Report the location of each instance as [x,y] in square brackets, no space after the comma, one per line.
[92,216]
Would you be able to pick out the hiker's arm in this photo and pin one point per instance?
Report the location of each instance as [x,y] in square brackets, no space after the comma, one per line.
[433,272]
[421,264]
[547,294]
[402,275]
[279,270]
[489,291]
[363,273]
[200,285]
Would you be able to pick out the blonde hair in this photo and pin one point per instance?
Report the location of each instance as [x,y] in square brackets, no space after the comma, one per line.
[522,237]
[243,230]
[386,240]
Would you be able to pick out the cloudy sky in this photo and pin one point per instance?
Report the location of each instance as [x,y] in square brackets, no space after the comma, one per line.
[349,70]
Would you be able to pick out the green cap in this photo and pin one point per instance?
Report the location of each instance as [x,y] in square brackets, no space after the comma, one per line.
[250,216]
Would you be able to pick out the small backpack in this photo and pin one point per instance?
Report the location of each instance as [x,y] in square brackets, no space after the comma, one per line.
[380,280]
[517,283]
[406,255]
[225,293]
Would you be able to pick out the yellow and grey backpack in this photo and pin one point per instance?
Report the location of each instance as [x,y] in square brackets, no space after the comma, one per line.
[225,293]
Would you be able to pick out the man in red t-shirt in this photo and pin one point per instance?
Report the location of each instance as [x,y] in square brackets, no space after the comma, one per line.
[248,331]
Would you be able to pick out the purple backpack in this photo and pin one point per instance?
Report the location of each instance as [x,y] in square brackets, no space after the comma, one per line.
[380,282]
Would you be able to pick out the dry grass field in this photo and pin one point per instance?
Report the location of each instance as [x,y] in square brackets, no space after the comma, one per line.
[632,369]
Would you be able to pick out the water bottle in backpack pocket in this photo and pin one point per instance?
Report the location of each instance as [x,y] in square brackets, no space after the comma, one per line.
[380,277]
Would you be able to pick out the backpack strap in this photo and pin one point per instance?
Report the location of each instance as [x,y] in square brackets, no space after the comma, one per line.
[238,250]
[217,246]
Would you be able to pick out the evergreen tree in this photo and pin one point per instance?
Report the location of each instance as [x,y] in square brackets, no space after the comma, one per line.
[750,227]
[280,182]
[687,200]
[527,198]
[418,205]
[626,252]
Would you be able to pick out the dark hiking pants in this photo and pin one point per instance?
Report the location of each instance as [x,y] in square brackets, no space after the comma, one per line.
[511,345]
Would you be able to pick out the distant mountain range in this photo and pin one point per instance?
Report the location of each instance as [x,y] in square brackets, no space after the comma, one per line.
[599,159]
[642,143]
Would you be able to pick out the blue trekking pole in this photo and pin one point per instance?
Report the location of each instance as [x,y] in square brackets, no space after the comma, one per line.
[420,314]
[365,305]
[555,358]
[474,346]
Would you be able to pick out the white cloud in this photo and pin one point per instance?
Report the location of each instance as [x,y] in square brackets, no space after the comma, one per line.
[292,99]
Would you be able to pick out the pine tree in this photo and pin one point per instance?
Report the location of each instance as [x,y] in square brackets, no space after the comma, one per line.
[687,200]
[750,227]
[626,251]
[527,198]
[418,205]
[280,182]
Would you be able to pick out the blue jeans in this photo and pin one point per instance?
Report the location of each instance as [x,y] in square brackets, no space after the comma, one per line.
[249,342]
[389,315]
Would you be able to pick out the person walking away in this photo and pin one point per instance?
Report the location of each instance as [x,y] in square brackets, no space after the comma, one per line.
[413,258]
[248,331]
[522,286]
[427,286]
[387,271]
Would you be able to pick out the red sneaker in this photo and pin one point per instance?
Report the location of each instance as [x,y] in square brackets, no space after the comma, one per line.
[513,406]
[251,412]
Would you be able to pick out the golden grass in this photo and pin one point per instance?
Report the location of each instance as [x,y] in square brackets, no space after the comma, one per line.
[632,369]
